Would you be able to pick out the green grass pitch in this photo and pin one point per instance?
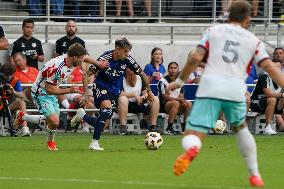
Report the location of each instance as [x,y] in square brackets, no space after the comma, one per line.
[27,164]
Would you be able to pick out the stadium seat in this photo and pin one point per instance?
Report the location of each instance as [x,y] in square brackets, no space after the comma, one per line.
[133,124]
[256,122]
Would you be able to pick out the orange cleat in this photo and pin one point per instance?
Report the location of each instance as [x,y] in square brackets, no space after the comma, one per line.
[52,146]
[256,181]
[182,162]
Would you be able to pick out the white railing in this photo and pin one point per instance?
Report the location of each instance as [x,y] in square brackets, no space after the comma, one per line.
[268,32]
[160,10]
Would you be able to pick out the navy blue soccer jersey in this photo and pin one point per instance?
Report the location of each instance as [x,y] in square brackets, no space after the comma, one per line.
[111,78]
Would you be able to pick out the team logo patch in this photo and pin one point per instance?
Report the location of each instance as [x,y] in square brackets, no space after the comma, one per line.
[104,92]
[33,45]
[64,44]
[23,45]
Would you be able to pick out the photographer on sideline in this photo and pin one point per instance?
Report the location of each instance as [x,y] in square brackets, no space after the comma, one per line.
[7,77]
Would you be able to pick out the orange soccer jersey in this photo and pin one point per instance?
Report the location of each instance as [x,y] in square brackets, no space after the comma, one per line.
[28,76]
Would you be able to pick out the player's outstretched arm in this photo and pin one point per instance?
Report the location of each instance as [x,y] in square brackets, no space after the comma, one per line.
[90,60]
[194,59]
[54,90]
[273,72]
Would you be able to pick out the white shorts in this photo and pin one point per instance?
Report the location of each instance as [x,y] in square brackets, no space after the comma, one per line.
[70,97]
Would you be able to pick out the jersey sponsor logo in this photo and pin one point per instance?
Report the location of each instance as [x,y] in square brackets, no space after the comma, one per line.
[123,66]
[104,92]
[34,45]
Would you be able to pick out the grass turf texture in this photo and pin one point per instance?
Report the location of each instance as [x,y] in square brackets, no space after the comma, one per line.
[126,163]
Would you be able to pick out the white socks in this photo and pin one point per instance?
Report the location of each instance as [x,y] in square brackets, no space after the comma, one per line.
[96,142]
[190,141]
[36,119]
[247,147]
[65,103]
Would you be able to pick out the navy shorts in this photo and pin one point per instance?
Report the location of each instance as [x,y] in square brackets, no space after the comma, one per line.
[100,94]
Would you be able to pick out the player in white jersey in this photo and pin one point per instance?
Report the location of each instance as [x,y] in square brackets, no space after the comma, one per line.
[46,88]
[230,50]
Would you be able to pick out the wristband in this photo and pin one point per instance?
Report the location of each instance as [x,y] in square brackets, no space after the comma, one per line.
[179,81]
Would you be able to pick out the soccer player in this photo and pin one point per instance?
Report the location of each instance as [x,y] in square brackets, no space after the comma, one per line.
[108,86]
[46,88]
[231,50]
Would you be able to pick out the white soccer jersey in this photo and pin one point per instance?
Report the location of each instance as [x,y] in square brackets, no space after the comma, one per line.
[231,50]
[54,72]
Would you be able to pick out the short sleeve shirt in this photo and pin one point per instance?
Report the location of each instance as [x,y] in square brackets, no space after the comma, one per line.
[62,45]
[29,47]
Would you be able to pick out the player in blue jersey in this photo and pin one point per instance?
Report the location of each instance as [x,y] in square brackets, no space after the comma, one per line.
[108,86]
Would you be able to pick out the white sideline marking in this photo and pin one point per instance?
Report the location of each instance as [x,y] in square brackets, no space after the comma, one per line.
[121,182]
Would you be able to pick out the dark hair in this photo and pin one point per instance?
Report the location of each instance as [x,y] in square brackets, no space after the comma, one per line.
[172,63]
[278,48]
[76,50]
[153,51]
[239,11]
[27,21]
[123,42]
[8,69]
[20,54]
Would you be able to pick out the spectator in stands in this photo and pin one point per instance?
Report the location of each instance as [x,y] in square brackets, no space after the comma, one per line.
[28,45]
[74,6]
[4,44]
[133,99]
[24,73]
[155,70]
[6,77]
[252,78]
[172,103]
[118,5]
[225,5]
[62,45]
[194,77]
[279,54]
[255,4]
[36,7]
[267,98]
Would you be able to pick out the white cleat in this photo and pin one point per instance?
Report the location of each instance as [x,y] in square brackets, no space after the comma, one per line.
[269,131]
[94,146]
[77,119]
[25,131]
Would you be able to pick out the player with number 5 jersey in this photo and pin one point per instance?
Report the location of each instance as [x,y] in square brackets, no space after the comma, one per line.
[230,50]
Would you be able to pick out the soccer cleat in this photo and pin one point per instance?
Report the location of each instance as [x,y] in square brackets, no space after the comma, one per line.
[77,119]
[25,131]
[18,118]
[123,130]
[96,147]
[269,131]
[52,146]
[182,162]
[256,181]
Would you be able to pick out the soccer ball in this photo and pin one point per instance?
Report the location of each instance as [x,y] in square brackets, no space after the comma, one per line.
[220,127]
[153,140]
